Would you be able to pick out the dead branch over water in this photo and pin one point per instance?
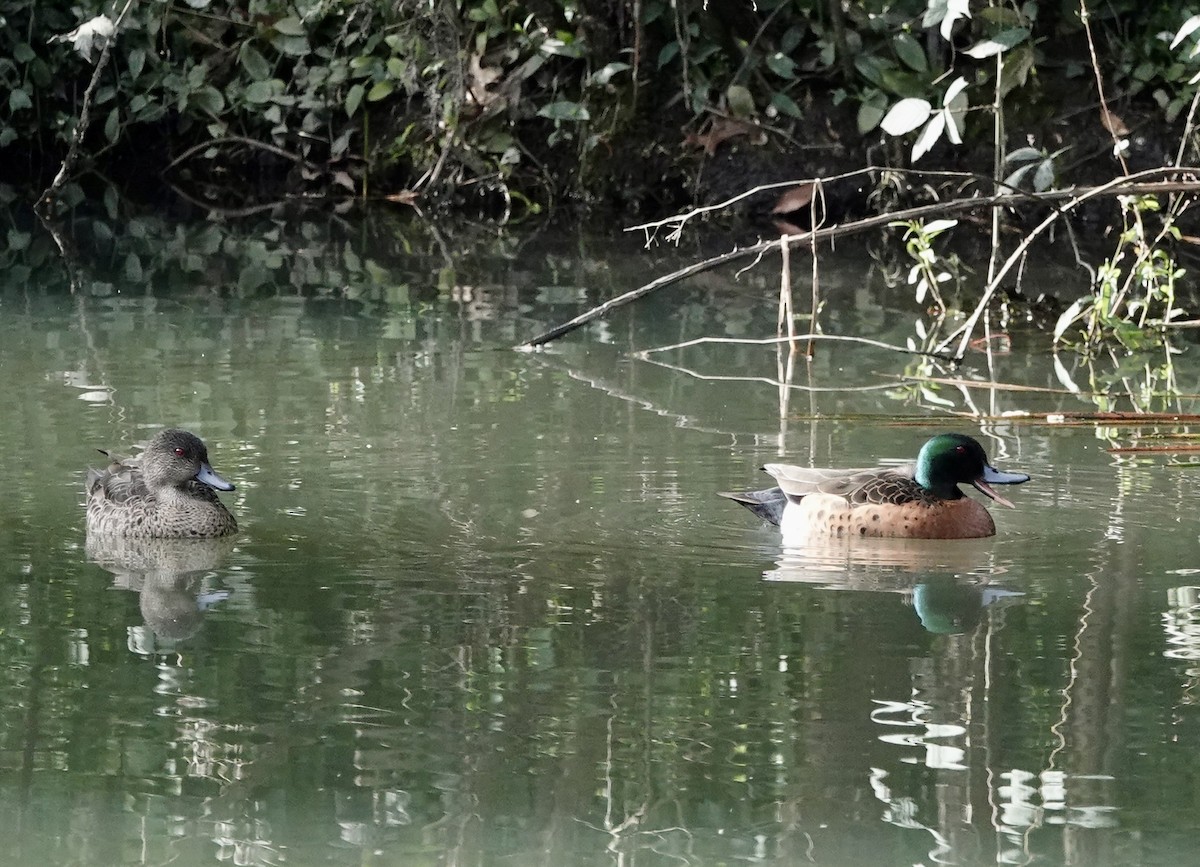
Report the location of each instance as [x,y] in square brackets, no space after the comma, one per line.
[1165,179]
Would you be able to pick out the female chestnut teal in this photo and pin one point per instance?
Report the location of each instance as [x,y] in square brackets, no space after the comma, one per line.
[915,501]
[165,493]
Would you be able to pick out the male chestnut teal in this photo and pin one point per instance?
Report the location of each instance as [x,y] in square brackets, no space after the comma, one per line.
[167,492]
[920,500]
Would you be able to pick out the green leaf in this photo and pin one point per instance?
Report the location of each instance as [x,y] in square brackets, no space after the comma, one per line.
[564,110]
[18,241]
[290,26]
[740,101]
[929,136]
[133,268]
[259,92]
[209,99]
[136,61]
[561,47]
[1018,64]
[112,125]
[8,135]
[354,98]
[1021,155]
[781,65]
[1070,315]
[869,116]
[605,75]
[910,52]
[906,115]
[792,38]
[784,104]
[197,75]
[292,46]
[381,90]
[254,63]
[19,99]
[1002,41]
[1043,179]
[870,68]
[22,53]
[1144,72]
[1186,30]
[668,53]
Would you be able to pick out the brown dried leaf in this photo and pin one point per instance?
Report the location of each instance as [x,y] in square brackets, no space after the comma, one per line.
[1112,122]
[717,130]
[794,198]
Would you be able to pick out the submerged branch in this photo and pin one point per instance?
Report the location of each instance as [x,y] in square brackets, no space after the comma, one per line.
[1186,179]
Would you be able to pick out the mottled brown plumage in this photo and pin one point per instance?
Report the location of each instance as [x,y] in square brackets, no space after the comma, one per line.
[168,492]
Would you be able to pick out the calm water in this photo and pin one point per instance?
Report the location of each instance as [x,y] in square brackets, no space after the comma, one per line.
[486,608]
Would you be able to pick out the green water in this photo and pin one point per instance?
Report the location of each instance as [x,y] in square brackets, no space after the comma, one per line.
[486,608]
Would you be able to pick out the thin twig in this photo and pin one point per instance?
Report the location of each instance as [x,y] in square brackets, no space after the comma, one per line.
[85,120]
[233,139]
[786,321]
[816,220]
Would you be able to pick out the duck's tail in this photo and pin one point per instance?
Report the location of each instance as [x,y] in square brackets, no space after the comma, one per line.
[767,504]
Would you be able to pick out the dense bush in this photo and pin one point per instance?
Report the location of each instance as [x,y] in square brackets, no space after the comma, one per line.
[540,100]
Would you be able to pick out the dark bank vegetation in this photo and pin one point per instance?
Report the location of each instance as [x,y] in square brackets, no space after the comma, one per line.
[802,114]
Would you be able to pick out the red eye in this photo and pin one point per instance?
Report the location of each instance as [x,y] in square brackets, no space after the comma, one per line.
[959,449]
[179,452]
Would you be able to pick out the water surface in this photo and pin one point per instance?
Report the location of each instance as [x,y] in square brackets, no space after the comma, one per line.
[486,608]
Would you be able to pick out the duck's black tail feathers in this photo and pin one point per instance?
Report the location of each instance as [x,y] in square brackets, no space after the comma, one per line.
[767,504]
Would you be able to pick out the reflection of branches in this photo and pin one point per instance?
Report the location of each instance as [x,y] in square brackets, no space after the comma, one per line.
[781,383]
[766,341]
[213,208]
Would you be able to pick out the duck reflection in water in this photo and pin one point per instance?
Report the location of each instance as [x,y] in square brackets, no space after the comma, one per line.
[949,606]
[170,576]
[949,586]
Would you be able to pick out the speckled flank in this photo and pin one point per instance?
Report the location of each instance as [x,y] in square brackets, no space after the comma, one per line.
[830,515]
[158,495]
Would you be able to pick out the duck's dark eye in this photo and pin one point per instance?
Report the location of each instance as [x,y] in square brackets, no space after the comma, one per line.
[179,452]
